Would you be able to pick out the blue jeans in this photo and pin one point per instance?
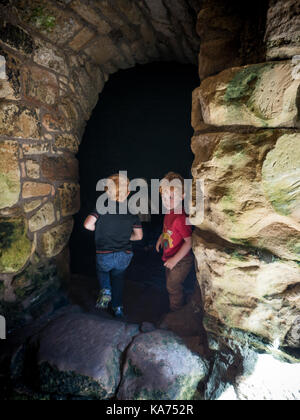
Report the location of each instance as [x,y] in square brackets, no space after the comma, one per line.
[110,272]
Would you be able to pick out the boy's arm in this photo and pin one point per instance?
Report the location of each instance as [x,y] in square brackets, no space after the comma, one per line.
[159,243]
[184,250]
[90,223]
[137,234]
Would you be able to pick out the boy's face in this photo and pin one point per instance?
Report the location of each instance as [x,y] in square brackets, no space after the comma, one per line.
[171,198]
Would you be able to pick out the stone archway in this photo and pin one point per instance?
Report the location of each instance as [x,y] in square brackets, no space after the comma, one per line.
[56,58]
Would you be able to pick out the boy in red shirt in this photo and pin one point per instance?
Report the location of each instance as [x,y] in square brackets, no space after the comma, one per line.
[176,239]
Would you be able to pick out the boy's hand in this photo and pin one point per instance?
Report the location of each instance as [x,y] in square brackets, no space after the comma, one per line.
[171,263]
[159,243]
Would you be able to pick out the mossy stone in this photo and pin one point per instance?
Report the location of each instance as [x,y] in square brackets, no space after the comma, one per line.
[15,245]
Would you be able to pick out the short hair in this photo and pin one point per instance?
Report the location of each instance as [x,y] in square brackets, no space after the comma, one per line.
[121,184]
[167,180]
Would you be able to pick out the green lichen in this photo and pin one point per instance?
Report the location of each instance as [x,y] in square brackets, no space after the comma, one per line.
[133,371]
[40,18]
[15,245]
[241,86]
[33,279]
[52,381]
[294,246]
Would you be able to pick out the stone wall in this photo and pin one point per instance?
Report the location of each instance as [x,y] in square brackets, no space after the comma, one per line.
[246,147]
[55,59]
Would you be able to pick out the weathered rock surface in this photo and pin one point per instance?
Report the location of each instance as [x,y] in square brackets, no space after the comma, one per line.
[56,239]
[240,372]
[159,366]
[80,355]
[251,188]
[10,186]
[243,289]
[15,245]
[261,95]
[283,29]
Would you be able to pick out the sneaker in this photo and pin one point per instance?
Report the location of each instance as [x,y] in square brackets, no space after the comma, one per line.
[119,313]
[104,299]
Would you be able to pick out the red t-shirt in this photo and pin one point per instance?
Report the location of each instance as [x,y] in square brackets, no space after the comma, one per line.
[174,233]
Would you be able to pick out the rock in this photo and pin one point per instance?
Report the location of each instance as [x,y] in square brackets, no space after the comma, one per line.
[19,121]
[59,169]
[92,16]
[243,289]
[261,95]
[15,245]
[66,142]
[56,239]
[53,122]
[36,189]
[102,50]
[9,76]
[251,188]
[10,186]
[219,29]
[159,367]
[242,373]
[80,355]
[271,379]
[281,174]
[56,24]
[32,205]
[282,31]
[45,216]
[36,149]
[69,199]
[47,56]
[40,85]
[32,169]
[16,37]
[147,327]
[82,38]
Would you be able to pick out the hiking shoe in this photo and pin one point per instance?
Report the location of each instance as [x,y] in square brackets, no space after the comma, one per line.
[119,313]
[104,299]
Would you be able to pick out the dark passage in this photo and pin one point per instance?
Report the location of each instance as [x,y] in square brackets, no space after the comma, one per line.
[142,124]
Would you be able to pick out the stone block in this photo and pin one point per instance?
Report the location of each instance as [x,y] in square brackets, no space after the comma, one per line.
[45,216]
[41,85]
[10,186]
[69,199]
[261,95]
[59,169]
[36,189]
[19,121]
[56,239]
[15,245]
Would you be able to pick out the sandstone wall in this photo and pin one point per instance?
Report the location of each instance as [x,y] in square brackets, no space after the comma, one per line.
[247,151]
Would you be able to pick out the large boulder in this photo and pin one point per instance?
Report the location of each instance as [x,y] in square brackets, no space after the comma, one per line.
[245,289]
[80,355]
[251,188]
[160,367]
[261,95]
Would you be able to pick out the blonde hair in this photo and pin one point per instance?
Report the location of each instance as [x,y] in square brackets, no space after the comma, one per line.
[168,180]
[118,188]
